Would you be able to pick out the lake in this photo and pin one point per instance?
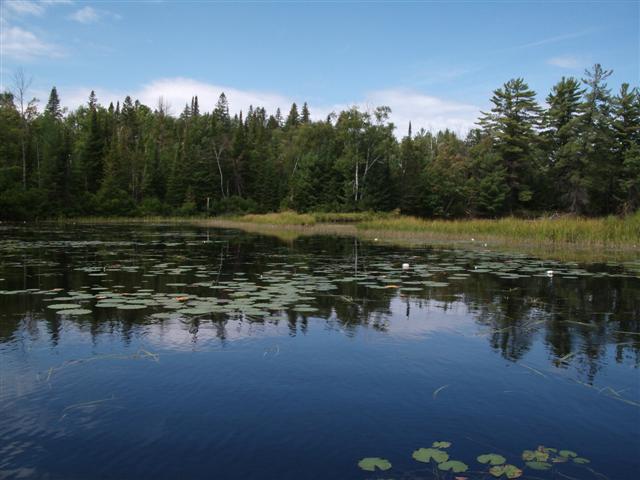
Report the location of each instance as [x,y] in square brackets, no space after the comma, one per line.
[164,352]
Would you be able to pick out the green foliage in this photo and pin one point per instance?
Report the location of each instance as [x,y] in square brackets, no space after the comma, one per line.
[512,125]
[371,464]
[492,459]
[455,466]
[509,471]
[425,455]
[581,156]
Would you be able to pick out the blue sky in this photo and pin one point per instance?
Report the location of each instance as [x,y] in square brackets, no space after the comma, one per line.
[433,62]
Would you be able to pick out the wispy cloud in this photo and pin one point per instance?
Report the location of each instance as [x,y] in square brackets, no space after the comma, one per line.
[19,41]
[88,15]
[423,111]
[566,61]
[85,15]
[427,73]
[554,39]
[24,45]
[23,7]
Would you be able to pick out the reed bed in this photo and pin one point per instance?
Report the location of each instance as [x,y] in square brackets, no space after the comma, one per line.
[567,230]
[567,234]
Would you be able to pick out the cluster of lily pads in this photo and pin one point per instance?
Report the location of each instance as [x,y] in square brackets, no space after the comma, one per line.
[275,293]
[288,282]
[541,458]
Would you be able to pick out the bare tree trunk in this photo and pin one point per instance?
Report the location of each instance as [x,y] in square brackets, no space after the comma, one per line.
[21,85]
[218,154]
[357,185]
[367,166]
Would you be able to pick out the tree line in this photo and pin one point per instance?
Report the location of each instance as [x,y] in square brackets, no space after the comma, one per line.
[578,153]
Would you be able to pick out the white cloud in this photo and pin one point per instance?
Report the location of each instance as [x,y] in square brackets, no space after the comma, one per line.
[178,92]
[556,39]
[24,45]
[89,15]
[566,61]
[424,111]
[24,7]
[85,15]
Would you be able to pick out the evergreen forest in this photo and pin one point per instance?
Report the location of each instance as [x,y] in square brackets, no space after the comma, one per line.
[578,152]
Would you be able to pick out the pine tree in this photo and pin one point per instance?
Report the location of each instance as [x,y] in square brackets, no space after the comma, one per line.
[293,119]
[410,181]
[221,110]
[512,124]
[92,156]
[53,109]
[195,109]
[306,116]
[597,139]
[568,172]
[626,125]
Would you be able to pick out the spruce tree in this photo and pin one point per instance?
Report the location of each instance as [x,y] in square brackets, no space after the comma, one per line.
[626,125]
[597,142]
[293,119]
[512,124]
[92,155]
[306,116]
[53,109]
[566,164]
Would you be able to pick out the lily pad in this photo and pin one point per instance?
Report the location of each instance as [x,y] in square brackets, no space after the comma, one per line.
[539,465]
[425,455]
[581,460]
[453,466]
[567,453]
[130,306]
[509,471]
[63,306]
[74,311]
[370,464]
[535,455]
[441,444]
[492,459]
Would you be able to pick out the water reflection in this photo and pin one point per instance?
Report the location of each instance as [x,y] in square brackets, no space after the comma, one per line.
[578,312]
[215,351]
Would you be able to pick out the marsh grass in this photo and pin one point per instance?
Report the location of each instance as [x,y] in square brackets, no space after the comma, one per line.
[563,238]
[567,230]
[279,218]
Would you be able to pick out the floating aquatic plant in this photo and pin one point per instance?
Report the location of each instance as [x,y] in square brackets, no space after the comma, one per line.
[581,460]
[538,465]
[567,453]
[441,444]
[509,471]
[370,464]
[74,311]
[425,455]
[539,455]
[492,459]
[453,466]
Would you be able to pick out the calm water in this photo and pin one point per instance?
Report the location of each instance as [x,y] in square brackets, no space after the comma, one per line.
[166,352]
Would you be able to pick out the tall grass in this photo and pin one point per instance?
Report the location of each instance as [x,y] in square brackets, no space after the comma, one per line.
[279,218]
[607,231]
[571,230]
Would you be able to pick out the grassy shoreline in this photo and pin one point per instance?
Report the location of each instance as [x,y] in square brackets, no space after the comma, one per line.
[566,237]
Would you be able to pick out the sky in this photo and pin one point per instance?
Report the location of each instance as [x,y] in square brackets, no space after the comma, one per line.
[434,63]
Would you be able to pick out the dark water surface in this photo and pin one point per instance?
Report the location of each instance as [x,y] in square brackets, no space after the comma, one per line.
[175,352]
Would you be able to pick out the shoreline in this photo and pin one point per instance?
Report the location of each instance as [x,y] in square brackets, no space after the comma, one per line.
[411,232]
